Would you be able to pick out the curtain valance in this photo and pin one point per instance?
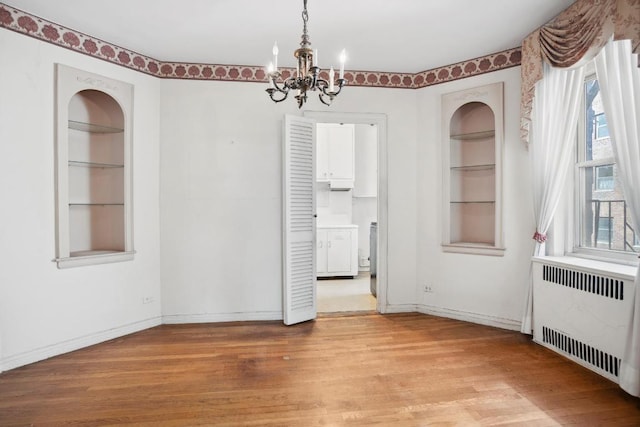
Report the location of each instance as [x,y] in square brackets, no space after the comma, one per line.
[574,36]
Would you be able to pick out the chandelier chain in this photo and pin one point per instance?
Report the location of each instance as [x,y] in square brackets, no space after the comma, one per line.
[305,15]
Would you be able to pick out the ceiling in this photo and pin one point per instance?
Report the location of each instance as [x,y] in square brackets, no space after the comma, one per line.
[379,35]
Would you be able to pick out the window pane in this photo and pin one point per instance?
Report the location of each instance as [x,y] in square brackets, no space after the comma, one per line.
[598,143]
[603,214]
[604,230]
[604,178]
[605,217]
[602,131]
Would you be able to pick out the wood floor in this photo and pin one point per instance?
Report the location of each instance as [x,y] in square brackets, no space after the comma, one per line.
[364,370]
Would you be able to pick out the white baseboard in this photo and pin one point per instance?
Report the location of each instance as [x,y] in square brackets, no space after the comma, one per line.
[169,319]
[17,360]
[481,319]
[400,308]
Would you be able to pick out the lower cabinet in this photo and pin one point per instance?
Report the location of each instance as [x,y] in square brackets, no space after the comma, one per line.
[337,251]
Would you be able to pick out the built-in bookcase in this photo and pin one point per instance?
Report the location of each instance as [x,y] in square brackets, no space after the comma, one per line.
[472,170]
[94,165]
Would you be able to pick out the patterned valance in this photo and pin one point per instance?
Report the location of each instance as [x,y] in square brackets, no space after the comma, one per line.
[573,37]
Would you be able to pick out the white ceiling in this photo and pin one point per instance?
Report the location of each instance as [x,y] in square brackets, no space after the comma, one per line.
[379,35]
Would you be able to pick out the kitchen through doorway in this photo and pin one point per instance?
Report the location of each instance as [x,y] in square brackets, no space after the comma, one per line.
[347,215]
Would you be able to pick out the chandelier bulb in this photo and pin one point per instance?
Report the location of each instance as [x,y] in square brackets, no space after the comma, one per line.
[275,55]
[343,59]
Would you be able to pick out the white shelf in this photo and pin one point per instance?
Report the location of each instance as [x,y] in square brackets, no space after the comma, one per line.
[474,249]
[472,201]
[473,136]
[474,168]
[93,128]
[93,257]
[95,165]
[96,204]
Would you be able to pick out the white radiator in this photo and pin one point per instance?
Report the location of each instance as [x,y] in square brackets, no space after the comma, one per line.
[581,311]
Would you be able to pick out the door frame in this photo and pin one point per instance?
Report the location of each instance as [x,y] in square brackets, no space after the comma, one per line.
[380,120]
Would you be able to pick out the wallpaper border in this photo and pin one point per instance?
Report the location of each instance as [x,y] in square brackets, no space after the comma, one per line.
[24,23]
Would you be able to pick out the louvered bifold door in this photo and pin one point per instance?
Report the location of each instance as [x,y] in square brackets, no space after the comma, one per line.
[299,269]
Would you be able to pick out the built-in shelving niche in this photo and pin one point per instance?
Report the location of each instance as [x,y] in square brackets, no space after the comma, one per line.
[472,165]
[93,168]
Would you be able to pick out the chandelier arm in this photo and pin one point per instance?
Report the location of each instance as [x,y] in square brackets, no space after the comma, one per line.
[324,87]
[341,83]
[272,91]
[321,97]
[322,84]
[274,86]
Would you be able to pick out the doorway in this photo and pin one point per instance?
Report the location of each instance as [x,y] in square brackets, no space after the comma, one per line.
[348,208]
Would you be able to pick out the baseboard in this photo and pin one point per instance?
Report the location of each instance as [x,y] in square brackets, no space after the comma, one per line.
[169,319]
[466,316]
[400,308]
[43,353]
[17,360]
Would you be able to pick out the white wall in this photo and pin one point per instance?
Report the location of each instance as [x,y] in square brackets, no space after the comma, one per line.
[483,289]
[43,310]
[365,202]
[333,207]
[221,196]
[207,208]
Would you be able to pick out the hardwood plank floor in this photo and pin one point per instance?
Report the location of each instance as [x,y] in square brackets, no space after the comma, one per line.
[370,370]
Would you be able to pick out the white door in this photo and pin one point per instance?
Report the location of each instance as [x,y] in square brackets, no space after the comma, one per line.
[299,225]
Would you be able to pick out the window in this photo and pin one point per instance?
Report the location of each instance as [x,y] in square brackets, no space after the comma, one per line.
[604,178]
[602,217]
[600,126]
[604,230]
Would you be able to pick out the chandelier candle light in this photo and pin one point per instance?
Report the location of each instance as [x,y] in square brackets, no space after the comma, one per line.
[307,76]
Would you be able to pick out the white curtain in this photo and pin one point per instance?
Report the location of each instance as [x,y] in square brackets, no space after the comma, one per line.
[619,79]
[554,121]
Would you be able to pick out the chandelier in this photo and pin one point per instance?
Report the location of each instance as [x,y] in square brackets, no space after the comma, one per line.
[307,77]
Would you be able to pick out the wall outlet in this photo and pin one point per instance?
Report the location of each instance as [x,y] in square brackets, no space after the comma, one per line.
[147,300]
[428,288]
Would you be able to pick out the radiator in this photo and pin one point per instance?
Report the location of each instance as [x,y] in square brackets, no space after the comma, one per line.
[581,312]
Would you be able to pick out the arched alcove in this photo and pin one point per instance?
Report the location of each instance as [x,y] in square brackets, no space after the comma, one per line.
[94,211]
[472,174]
[472,153]
[96,174]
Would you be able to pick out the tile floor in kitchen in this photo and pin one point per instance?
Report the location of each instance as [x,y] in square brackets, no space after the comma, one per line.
[341,295]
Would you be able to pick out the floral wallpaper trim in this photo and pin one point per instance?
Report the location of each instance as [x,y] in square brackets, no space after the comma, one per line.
[33,26]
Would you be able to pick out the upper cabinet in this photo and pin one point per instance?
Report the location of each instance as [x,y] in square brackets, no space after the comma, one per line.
[472,170]
[366,161]
[335,154]
[93,167]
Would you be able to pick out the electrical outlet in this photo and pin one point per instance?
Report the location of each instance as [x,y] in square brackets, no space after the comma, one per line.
[147,300]
[428,288]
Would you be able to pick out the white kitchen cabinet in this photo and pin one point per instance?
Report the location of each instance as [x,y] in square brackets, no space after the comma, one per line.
[366,161]
[335,145]
[337,251]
